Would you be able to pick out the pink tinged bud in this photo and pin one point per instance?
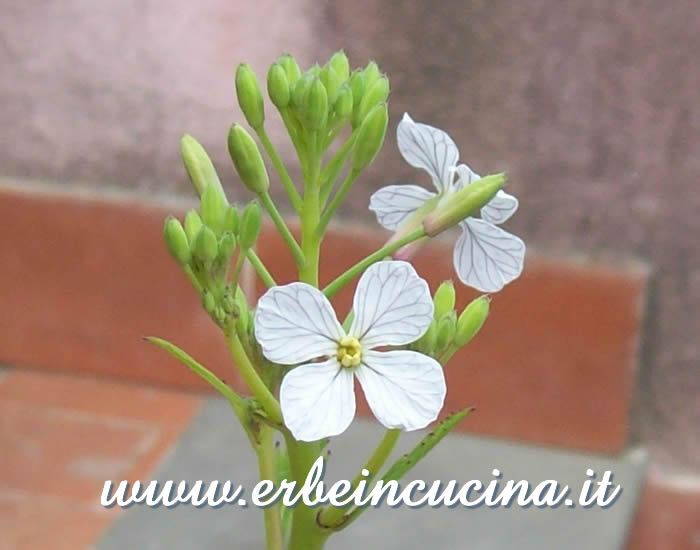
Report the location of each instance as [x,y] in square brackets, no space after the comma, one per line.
[464,203]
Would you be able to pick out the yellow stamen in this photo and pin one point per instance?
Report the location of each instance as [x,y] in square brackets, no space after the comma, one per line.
[349,352]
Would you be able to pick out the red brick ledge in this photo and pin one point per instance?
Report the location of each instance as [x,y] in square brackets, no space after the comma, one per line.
[86,276]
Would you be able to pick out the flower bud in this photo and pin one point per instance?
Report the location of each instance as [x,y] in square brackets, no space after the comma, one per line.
[446,329]
[376,92]
[199,166]
[208,302]
[278,86]
[176,241]
[227,245]
[213,209]
[341,65]
[251,223]
[343,103]
[299,92]
[331,81]
[249,96]
[247,160]
[192,224]
[370,138]
[463,203]
[427,342]
[471,320]
[291,68]
[316,105]
[357,85]
[444,299]
[205,247]
[228,302]
[231,219]
[371,73]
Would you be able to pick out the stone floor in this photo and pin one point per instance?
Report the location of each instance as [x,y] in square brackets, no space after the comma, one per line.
[62,436]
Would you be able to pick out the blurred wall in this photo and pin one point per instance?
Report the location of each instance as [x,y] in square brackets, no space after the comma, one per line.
[592,106]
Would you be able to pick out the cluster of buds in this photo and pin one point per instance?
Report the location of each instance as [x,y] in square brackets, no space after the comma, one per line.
[448,332]
[315,106]
[205,244]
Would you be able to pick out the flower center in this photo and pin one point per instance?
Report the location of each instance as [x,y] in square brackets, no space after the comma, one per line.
[349,352]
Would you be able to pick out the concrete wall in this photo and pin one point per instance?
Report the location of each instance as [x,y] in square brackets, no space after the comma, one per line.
[592,106]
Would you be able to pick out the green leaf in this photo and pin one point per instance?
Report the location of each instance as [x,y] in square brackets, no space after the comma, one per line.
[205,374]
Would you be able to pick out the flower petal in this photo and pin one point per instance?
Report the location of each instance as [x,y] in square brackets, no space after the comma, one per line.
[499,208]
[405,389]
[486,257]
[465,176]
[429,148]
[393,204]
[295,323]
[392,305]
[317,400]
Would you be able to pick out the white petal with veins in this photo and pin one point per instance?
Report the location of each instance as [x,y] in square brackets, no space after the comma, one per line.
[393,204]
[317,400]
[429,148]
[392,305]
[486,257]
[405,389]
[295,323]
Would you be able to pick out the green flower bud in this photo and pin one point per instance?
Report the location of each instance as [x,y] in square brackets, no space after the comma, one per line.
[249,96]
[220,315]
[340,64]
[176,241]
[314,70]
[371,73]
[299,92]
[208,302]
[205,247]
[444,299]
[357,85]
[463,203]
[343,103]
[278,86]
[231,219]
[227,245]
[251,223]
[374,93]
[427,342]
[446,329]
[291,68]
[247,160]
[332,82]
[471,320]
[241,308]
[192,224]
[370,137]
[228,302]
[199,166]
[213,209]
[316,108]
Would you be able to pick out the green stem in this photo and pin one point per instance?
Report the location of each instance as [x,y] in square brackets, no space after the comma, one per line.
[266,466]
[260,268]
[282,228]
[251,377]
[306,534]
[294,196]
[332,169]
[337,200]
[192,278]
[387,250]
[331,517]
[310,238]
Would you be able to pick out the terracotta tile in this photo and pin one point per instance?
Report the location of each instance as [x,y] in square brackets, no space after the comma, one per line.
[85,279]
[28,522]
[668,517]
[63,436]
[555,362]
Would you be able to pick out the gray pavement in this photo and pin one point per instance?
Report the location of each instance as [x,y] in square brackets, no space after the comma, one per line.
[215,448]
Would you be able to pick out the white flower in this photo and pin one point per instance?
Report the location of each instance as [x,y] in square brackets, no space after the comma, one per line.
[295,323]
[485,256]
